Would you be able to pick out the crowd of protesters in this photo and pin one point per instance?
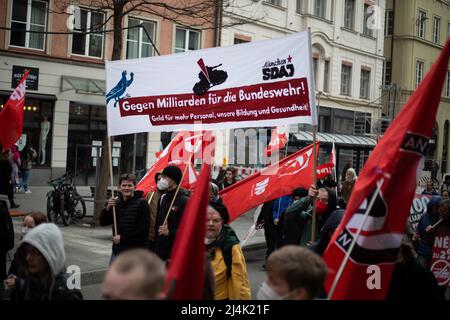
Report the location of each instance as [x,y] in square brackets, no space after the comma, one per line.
[146,228]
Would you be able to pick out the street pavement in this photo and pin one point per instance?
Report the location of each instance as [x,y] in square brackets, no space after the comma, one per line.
[89,247]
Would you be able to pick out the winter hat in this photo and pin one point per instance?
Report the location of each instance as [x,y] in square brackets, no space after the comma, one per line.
[48,239]
[435,201]
[299,192]
[173,172]
[222,210]
[157,176]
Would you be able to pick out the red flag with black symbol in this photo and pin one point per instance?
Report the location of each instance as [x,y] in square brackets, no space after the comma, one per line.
[272,182]
[363,250]
[178,153]
[11,116]
[186,274]
[278,140]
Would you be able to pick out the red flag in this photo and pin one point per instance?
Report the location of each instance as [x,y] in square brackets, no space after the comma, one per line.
[270,183]
[11,117]
[324,170]
[375,218]
[278,139]
[186,275]
[178,153]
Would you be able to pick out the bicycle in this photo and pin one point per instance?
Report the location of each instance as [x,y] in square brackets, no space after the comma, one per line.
[65,201]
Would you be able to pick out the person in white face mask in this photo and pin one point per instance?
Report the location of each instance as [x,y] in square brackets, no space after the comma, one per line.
[293,273]
[153,199]
[166,229]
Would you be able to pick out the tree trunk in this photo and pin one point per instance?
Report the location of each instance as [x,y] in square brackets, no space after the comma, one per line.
[104,177]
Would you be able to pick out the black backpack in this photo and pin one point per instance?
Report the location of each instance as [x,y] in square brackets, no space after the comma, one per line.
[6,228]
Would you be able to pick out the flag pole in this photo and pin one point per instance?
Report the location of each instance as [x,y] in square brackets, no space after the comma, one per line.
[279,200]
[112,184]
[179,185]
[314,131]
[314,216]
[352,245]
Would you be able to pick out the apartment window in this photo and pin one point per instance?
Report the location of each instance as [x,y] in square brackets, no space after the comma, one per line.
[89,44]
[28,15]
[387,73]
[275,2]
[186,40]
[364,92]
[343,121]
[319,8]
[325,116]
[326,76]
[139,45]
[366,27]
[419,72]
[421,24]
[349,14]
[389,23]
[315,67]
[298,7]
[239,40]
[436,29]
[447,85]
[346,79]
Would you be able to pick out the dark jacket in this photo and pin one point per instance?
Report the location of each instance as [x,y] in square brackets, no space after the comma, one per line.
[330,226]
[6,229]
[411,281]
[298,223]
[32,290]
[5,177]
[133,220]
[164,243]
[266,215]
[425,246]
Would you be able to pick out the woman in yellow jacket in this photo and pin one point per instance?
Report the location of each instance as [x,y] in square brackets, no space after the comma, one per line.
[225,254]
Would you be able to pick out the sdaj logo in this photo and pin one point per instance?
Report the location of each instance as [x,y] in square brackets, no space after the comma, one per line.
[280,68]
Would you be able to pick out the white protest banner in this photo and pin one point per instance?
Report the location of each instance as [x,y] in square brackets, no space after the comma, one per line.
[257,84]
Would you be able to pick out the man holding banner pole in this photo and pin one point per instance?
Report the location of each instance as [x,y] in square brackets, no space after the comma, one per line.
[170,210]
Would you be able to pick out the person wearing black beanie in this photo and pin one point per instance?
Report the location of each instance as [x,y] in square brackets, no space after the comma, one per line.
[168,183]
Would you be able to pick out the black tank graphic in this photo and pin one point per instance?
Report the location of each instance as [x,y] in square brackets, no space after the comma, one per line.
[209,77]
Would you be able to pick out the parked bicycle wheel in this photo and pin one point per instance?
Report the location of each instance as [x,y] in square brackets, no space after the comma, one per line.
[79,211]
[66,214]
[52,213]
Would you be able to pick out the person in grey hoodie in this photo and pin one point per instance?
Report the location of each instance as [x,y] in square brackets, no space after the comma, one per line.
[42,257]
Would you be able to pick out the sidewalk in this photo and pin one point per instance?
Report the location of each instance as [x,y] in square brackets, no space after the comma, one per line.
[90,247]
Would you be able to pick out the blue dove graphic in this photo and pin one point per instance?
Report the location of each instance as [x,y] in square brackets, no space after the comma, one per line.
[117,92]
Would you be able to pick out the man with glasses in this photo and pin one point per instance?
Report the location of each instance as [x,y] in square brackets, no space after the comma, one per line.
[132,214]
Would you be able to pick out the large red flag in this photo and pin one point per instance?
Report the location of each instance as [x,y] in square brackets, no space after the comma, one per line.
[178,153]
[278,140]
[270,183]
[186,274]
[373,225]
[11,117]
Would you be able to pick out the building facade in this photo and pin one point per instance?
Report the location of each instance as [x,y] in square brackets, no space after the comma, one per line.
[415,33]
[347,44]
[65,112]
